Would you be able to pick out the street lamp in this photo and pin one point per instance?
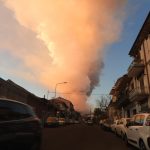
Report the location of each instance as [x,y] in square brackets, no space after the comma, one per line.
[57,85]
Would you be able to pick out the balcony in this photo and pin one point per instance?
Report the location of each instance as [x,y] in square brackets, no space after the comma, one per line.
[135,68]
[138,94]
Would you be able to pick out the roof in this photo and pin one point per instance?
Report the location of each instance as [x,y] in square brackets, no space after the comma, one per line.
[14,101]
[145,30]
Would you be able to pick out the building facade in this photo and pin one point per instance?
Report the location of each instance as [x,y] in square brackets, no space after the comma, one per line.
[139,70]
[131,92]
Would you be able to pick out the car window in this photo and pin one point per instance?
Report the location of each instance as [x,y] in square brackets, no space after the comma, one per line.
[139,120]
[142,119]
[14,111]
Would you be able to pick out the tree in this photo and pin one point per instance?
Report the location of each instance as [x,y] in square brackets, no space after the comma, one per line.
[103,102]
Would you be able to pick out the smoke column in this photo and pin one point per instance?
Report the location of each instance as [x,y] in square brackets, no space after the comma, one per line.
[75,33]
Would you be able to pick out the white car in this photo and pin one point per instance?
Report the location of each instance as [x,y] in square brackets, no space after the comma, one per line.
[113,126]
[121,128]
[138,131]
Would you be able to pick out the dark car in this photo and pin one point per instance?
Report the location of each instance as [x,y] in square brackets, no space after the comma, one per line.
[20,129]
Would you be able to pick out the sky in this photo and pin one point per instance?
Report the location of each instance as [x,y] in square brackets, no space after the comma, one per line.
[116,58]
[25,42]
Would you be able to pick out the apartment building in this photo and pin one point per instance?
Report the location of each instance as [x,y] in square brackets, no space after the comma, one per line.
[131,92]
[118,106]
[139,71]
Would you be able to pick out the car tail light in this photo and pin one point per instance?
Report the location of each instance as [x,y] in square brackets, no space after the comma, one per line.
[148,141]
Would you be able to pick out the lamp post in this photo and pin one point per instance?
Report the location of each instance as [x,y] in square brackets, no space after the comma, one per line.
[57,85]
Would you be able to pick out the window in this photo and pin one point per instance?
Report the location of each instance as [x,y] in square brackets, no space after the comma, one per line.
[142,119]
[14,111]
[139,120]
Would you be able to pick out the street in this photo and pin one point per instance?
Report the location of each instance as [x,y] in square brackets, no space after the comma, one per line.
[81,137]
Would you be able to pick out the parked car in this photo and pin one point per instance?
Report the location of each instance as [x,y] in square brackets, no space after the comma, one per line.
[51,121]
[61,121]
[90,122]
[101,122]
[113,126]
[70,121]
[121,127]
[76,121]
[107,125]
[20,129]
[138,131]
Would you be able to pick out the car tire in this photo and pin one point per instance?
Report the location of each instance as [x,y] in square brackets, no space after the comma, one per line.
[142,145]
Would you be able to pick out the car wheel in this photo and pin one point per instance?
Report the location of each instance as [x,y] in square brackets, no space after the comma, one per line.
[142,145]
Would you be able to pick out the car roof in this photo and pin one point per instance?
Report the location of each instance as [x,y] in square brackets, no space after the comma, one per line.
[145,114]
[14,101]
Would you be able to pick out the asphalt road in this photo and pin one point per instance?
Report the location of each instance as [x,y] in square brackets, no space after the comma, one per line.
[81,137]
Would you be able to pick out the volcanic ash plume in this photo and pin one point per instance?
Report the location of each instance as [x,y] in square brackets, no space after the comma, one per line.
[75,33]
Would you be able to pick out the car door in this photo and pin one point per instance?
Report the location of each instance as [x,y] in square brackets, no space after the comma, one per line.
[7,125]
[138,125]
[134,129]
[129,129]
[15,125]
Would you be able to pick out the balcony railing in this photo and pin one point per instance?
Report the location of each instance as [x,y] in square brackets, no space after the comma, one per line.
[135,68]
[138,94]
